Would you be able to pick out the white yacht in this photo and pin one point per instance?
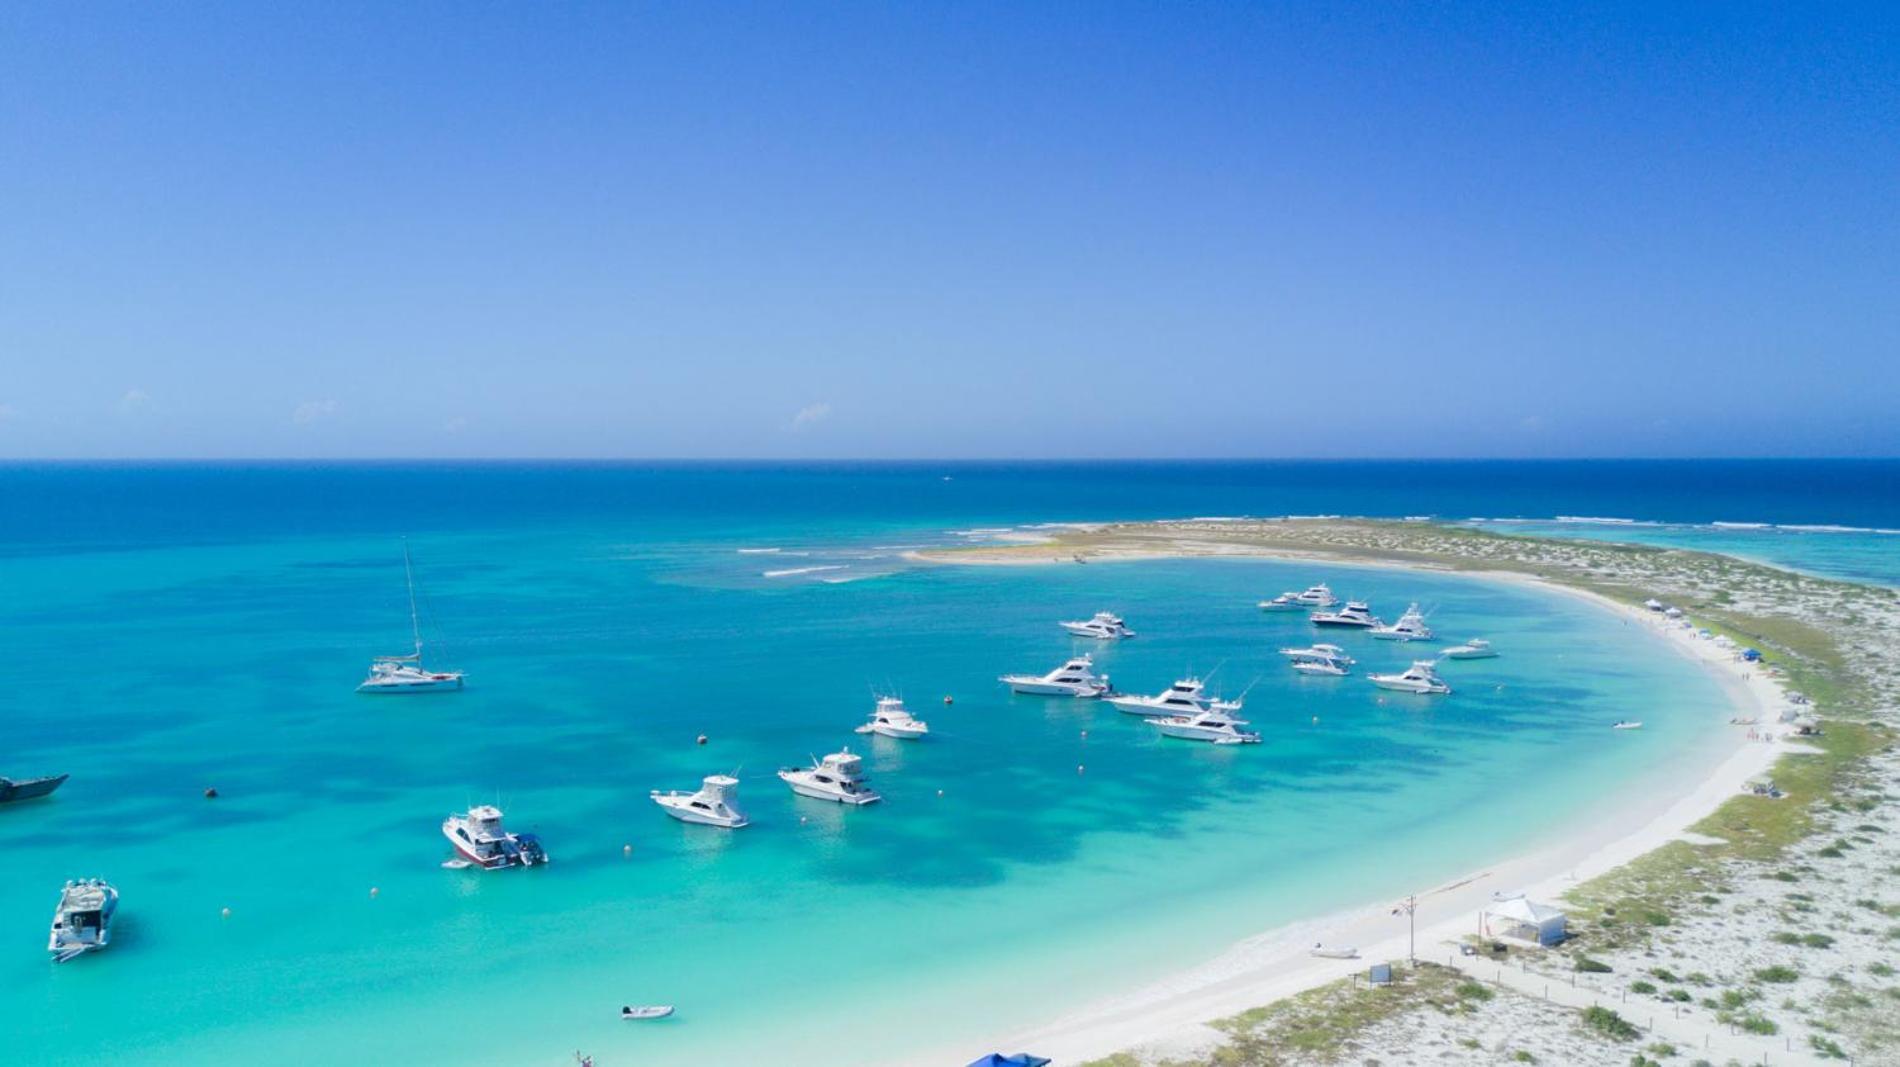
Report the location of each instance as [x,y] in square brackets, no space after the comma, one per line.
[480,841]
[1284,602]
[839,777]
[1476,648]
[1410,627]
[1105,626]
[83,921]
[1076,678]
[1185,697]
[1316,596]
[1420,677]
[1319,659]
[406,674]
[890,719]
[716,803]
[1212,724]
[1355,615]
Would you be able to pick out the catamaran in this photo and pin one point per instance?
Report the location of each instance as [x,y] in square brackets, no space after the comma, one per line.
[406,674]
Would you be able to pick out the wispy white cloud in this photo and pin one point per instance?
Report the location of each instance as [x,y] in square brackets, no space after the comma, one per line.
[7,411]
[1531,423]
[455,425]
[313,411]
[135,400]
[811,415]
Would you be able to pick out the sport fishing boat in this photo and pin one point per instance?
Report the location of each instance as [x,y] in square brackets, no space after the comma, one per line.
[1104,626]
[1319,659]
[839,777]
[480,841]
[1476,648]
[83,921]
[1355,615]
[1410,627]
[716,803]
[1317,596]
[890,719]
[1283,602]
[27,788]
[1212,724]
[1420,677]
[1187,696]
[1076,678]
[406,674]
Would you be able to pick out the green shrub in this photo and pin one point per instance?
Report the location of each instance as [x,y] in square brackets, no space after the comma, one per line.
[1680,996]
[1663,974]
[1523,1056]
[1777,973]
[1590,966]
[1881,969]
[1758,1024]
[1642,987]
[1474,991]
[1828,1050]
[1609,1024]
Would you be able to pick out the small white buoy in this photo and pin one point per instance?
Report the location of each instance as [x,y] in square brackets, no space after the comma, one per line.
[1079,768]
[801,820]
[939,792]
[373,891]
[626,850]
[226,913]
[1085,735]
[702,739]
[1315,720]
[947,700]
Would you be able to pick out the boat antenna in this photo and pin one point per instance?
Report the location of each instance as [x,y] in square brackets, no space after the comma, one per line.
[409,576]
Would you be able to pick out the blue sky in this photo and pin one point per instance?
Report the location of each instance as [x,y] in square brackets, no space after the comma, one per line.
[897,230]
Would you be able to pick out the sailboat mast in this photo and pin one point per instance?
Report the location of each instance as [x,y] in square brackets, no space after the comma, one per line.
[409,575]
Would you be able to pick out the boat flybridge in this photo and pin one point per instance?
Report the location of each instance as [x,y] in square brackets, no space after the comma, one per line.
[839,777]
[83,921]
[715,804]
[1187,696]
[1283,602]
[1410,627]
[1316,596]
[406,674]
[1476,648]
[1355,615]
[1211,724]
[1321,658]
[1104,626]
[480,841]
[1076,678]
[1420,677]
[890,719]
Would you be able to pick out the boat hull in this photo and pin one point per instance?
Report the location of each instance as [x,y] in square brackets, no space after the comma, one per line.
[1343,624]
[30,788]
[447,684]
[817,792]
[1469,655]
[1141,708]
[700,818]
[899,733]
[1198,733]
[1036,687]
[1397,686]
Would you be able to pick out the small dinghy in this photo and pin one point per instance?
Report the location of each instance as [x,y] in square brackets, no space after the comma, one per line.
[1334,952]
[1627,726]
[647,1011]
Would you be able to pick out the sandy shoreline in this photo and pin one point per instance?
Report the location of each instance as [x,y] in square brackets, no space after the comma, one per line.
[1169,1016]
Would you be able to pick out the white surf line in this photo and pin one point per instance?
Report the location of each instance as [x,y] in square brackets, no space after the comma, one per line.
[789,571]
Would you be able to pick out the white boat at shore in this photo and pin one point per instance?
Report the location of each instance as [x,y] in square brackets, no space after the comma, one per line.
[1333,952]
[1212,724]
[480,841]
[891,719]
[1476,648]
[838,777]
[390,675]
[1420,677]
[1075,678]
[1103,626]
[715,804]
[1188,696]
[1410,627]
[82,922]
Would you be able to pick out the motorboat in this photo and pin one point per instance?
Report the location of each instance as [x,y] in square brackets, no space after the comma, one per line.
[1319,650]
[1104,626]
[646,1011]
[1323,951]
[1476,648]
[406,674]
[1076,678]
[1410,627]
[890,719]
[715,804]
[480,841]
[1355,615]
[1284,602]
[1316,596]
[83,921]
[839,777]
[1626,726]
[1213,724]
[1420,677]
[1187,696]
[12,789]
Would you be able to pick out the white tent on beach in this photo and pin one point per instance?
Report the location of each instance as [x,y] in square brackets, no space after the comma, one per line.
[1523,920]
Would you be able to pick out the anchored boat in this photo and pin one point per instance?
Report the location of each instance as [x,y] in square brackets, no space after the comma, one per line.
[839,777]
[480,841]
[715,804]
[1076,678]
[83,921]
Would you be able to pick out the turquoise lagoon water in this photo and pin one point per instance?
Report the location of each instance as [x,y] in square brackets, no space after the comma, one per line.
[1053,868]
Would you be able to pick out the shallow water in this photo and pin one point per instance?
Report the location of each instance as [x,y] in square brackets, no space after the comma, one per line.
[1053,868]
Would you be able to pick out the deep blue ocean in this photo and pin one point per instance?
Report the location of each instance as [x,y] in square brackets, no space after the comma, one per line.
[168,628]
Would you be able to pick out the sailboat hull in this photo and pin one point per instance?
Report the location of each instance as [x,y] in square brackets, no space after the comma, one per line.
[416,685]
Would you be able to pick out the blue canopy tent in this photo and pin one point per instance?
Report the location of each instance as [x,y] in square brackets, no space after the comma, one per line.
[1021,1059]
[1751,654]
